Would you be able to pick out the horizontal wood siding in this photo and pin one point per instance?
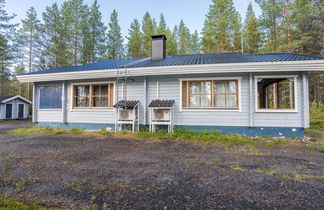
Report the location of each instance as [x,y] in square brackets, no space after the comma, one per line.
[169,88]
[49,115]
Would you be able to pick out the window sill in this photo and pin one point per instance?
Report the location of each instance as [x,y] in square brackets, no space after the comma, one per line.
[91,109]
[277,110]
[49,109]
[209,110]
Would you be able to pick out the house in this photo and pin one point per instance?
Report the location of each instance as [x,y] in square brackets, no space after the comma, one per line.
[14,107]
[248,94]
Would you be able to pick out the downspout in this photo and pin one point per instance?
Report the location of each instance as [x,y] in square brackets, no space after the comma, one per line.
[64,102]
[145,101]
[34,117]
[305,100]
[251,101]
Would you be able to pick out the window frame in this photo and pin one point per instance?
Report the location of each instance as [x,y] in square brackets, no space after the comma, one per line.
[90,107]
[38,98]
[256,98]
[213,109]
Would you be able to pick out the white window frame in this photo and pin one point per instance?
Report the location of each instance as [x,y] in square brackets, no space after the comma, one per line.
[18,109]
[38,97]
[90,109]
[212,109]
[296,86]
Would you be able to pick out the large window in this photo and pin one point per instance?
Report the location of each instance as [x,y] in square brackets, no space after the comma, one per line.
[217,94]
[93,95]
[50,97]
[276,93]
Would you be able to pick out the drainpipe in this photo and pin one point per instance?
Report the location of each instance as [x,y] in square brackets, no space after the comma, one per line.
[64,104]
[34,117]
[251,101]
[145,101]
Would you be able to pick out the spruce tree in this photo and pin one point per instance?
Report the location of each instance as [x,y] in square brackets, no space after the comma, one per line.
[162,27]
[114,37]
[148,30]
[251,33]
[183,38]
[221,27]
[194,47]
[134,39]
[172,42]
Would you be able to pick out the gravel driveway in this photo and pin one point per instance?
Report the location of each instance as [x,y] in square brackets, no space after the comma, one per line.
[83,172]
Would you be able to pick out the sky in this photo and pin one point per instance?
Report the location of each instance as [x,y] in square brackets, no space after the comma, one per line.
[191,11]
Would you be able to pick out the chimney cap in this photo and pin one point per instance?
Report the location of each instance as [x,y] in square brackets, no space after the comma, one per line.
[154,37]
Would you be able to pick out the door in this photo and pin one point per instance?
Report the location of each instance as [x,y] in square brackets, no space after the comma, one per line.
[8,111]
[21,108]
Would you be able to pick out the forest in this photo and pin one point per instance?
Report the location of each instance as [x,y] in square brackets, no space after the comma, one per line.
[74,33]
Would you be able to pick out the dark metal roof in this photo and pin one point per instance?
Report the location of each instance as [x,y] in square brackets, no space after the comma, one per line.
[176,60]
[129,104]
[161,103]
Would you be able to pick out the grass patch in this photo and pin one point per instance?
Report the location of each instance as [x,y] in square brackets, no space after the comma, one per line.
[272,170]
[301,177]
[217,160]
[37,130]
[236,167]
[9,204]
[317,114]
[317,149]
[314,132]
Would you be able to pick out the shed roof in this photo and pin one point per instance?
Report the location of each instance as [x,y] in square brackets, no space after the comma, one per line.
[5,99]
[177,60]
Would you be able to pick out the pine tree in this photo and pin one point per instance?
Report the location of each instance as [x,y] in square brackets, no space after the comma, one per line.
[148,30]
[98,33]
[54,39]
[115,39]
[270,21]
[251,34]
[194,43]
[221,27]
[6,50]
[134,39]
[73,15]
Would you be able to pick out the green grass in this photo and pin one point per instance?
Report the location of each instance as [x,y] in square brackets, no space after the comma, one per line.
[191,135]
[9,204]
[317,115]
[37,130]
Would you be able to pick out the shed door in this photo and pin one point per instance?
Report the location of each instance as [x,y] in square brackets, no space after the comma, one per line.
[8,111]
[21,108]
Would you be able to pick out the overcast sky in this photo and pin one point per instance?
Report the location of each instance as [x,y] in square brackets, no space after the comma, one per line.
[191,11]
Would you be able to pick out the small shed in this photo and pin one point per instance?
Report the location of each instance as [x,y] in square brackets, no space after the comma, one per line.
[14,107]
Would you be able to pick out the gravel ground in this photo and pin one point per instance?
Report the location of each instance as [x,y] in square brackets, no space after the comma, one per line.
[83,172]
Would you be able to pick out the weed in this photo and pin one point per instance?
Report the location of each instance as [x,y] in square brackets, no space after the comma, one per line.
[317,149]
[217,160]
[21,184]
[9,203]
[236,167]
[260,161]
[74,186]
[271,171]
[299,166]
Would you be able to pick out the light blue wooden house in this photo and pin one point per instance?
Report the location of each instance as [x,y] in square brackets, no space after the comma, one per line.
[248,94]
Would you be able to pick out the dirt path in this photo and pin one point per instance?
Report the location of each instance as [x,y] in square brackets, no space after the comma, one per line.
[82,172]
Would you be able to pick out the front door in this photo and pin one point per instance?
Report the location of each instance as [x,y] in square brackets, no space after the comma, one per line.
[21,108]
[8,111]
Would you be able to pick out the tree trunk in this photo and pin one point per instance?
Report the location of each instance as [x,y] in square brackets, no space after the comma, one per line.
[30,60]
[288,25]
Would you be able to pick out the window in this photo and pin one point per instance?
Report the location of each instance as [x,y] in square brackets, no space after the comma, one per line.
[276,93]
[217,94]
[50,97]
[96,95]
